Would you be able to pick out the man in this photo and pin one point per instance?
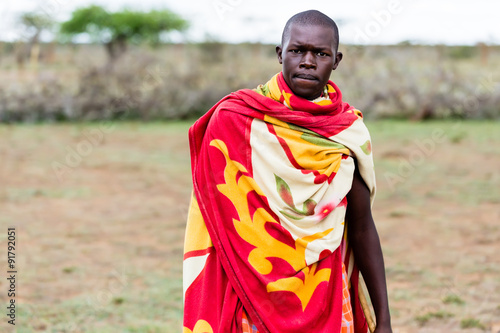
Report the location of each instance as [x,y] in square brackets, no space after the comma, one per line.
[276,172]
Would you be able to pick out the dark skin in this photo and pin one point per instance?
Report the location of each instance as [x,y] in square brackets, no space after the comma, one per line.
[365,243]
[308,56]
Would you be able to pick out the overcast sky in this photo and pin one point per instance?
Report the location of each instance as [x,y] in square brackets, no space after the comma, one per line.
[363,21]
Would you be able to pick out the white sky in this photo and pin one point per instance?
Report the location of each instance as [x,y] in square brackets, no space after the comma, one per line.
[362,21]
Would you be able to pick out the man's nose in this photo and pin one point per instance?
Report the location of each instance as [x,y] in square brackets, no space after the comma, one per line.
[308,60]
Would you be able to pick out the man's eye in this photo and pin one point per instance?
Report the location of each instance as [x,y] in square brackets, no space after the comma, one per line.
[295,51]
[322,54]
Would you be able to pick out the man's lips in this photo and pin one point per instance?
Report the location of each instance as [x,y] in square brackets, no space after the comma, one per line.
[306,77]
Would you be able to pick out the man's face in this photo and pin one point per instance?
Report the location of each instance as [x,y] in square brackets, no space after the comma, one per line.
[308,57]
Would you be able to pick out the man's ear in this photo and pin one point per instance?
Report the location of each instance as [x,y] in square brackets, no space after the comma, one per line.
[338,58]
[279,52]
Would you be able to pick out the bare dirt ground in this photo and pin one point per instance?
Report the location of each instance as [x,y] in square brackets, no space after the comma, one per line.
[100,210]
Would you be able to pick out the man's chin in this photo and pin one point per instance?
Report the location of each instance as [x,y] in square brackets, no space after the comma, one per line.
[307,93]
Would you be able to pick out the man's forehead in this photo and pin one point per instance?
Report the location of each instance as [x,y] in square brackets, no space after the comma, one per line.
[307,33]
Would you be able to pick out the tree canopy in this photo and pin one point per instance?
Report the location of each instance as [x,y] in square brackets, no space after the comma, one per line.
[117,28]
[36,23]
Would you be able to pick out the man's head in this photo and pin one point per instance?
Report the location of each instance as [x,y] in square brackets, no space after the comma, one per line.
[308,52]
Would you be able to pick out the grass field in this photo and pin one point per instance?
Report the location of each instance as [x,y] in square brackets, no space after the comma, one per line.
[100,210]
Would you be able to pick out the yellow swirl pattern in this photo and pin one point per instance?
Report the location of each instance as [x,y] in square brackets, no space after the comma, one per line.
[253,230]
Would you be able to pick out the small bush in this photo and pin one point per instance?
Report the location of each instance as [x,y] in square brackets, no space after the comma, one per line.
[471,323]
[185,80]
[462,52]
[423,319]
[453,299]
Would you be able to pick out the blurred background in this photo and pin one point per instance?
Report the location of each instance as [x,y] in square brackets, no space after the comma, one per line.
[96,98]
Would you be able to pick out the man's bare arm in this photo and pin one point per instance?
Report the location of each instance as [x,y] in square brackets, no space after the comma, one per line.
[365,243]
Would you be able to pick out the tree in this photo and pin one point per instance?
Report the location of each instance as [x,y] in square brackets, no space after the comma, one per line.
[35,24]
[117,29]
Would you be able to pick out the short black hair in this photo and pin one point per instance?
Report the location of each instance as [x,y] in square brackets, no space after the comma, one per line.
[310,17]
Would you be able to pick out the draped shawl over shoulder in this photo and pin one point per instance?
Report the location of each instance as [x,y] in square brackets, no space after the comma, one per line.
[265,230]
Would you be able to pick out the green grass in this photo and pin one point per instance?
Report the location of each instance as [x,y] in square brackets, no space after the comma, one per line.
[423,319]
[151,301]
[408,155]
[27,194]
[453,299]
[158,308]
[471,323]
